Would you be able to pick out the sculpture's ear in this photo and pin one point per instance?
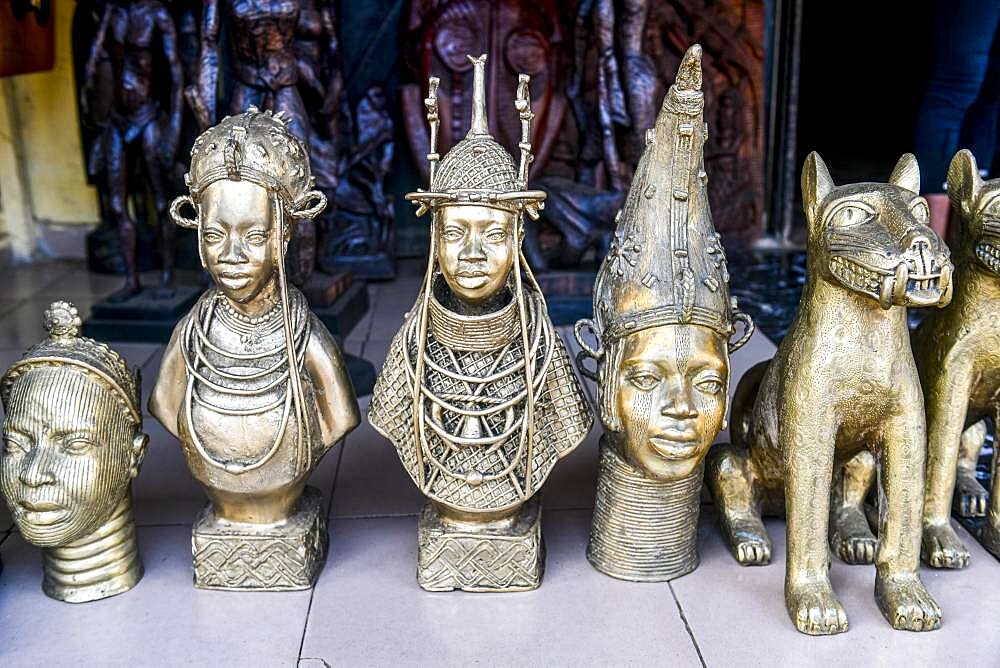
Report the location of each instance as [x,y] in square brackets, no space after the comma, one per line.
[906,173]
[816,184]
[964,182]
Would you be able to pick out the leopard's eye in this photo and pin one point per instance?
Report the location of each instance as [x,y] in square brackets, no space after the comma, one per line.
[919,210]
[849,214]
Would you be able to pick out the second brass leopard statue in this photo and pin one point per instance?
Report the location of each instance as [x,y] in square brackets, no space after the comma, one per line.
[958,353]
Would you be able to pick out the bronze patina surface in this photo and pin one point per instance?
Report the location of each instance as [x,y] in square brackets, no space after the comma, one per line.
[664,321]
[842,382]
[73,443]
[958,354]
[252,383]
[477,393]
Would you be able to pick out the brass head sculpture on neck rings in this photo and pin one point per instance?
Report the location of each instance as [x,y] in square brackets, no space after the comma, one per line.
[477,393]
[252,383]
[73,443]
[664,324]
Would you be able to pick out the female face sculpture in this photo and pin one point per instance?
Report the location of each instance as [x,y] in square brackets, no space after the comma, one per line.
[70,450]
[236,243]
[474,250]
[670,387]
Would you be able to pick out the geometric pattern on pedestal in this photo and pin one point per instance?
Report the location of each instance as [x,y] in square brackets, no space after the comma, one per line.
[511,558]
[242,557]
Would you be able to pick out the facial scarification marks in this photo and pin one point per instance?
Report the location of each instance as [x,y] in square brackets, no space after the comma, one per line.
[682,348]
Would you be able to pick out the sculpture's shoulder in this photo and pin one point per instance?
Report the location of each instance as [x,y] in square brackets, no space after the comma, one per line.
[567,415]
[564,416]
[390,410]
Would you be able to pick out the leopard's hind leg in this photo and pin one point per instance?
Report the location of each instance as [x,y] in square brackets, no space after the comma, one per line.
[851,537]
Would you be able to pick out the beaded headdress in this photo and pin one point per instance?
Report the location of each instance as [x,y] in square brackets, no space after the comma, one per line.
[64,347]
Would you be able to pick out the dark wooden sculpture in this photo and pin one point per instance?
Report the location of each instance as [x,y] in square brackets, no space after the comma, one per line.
[359,235]
[598,67]
[138,140]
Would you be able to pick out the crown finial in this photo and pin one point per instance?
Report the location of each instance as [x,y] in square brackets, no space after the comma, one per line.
[480,124]
[62,321]
[689,71]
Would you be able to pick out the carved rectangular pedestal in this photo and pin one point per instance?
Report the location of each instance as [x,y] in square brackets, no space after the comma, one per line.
[245,557]
[511,558]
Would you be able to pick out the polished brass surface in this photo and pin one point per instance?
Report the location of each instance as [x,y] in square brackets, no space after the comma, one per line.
[644,528]
[842,381]
[663,320]
[73,443]
[480,554]
[958,354]
[477,393]
[252,383]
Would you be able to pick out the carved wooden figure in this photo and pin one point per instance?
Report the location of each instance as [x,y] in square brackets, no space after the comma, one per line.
[139,141]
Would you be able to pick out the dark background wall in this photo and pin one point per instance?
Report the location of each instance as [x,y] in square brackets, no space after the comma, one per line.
[863,75]
[370,35]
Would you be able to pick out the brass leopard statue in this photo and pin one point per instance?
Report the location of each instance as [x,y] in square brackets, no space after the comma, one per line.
[958,354]
[843,381]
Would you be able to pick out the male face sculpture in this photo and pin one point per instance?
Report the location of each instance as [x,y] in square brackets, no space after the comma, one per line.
[474,250]
[70,451]
[670,397]
[236,243]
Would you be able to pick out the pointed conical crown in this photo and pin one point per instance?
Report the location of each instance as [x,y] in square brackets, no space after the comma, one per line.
[478,168]
[666,264]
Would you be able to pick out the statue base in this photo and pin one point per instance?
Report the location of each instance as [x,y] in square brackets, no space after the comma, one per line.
[237,556]
[497,558]
[143,318]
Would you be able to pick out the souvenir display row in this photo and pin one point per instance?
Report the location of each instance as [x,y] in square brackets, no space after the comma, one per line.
[479,398]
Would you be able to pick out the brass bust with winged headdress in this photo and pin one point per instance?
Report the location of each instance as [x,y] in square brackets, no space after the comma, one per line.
[477,393]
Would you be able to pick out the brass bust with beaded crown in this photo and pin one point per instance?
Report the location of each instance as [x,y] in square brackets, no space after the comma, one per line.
[477,393]
[664,324]
[252,383]
[73,442]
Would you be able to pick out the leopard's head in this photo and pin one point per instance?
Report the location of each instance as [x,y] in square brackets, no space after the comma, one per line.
[874,238]
[977,203]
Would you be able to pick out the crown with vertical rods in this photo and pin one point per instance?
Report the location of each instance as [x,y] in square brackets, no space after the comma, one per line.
[478,169]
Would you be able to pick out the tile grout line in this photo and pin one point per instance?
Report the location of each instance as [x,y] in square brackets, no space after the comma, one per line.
[305,625]
[330,520]
[687,626]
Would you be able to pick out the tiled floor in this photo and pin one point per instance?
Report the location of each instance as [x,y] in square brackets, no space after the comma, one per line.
[367,609]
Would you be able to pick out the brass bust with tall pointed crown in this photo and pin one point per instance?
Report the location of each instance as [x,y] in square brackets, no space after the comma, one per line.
[73,442]
[477,393]
[664,323]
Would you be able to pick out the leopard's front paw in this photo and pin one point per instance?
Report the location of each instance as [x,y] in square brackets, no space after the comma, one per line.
[815,609]
[941,548]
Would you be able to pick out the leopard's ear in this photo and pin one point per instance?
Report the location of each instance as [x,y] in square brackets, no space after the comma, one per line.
[906,173]
[816,185]
[964,182]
